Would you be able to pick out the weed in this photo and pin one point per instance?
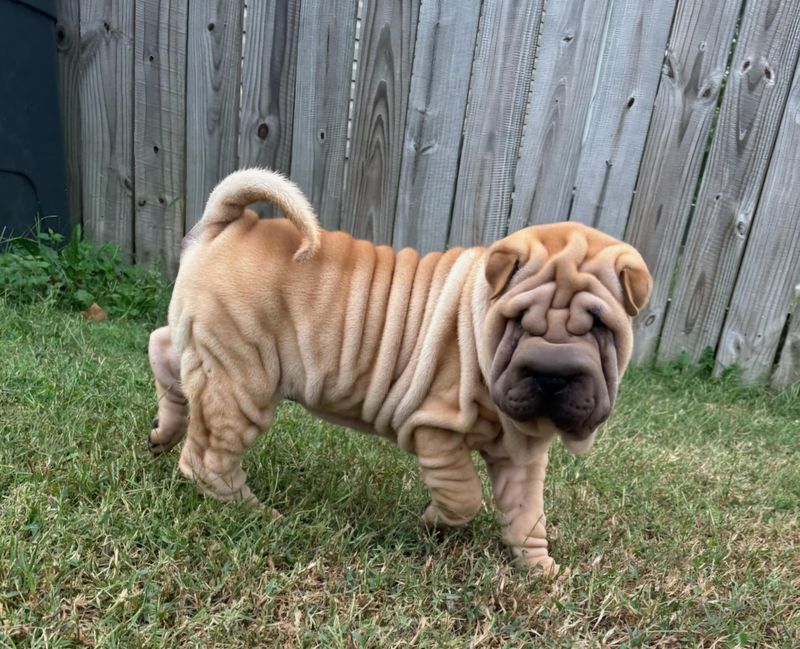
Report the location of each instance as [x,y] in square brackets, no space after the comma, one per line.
[76,273]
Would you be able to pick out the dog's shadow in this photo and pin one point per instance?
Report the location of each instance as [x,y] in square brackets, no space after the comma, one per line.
[359,488]
[334,487]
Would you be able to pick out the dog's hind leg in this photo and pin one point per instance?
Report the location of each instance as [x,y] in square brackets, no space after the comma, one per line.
[450,475]
[169,426]
[219,434]
[213,452]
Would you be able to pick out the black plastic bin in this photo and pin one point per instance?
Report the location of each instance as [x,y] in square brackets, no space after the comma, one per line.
[33,182]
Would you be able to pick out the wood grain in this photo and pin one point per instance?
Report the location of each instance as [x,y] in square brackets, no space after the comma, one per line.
[386,51]
[561,93]
[107,114]
[160,131]
[623,102]
[685,105]
[499,92]
[68,44]
[324,65]
[436,108]
[269,68]
[214,57]
[761,72]
[770,268]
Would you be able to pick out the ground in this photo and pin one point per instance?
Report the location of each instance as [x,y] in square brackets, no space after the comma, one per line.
[681,528]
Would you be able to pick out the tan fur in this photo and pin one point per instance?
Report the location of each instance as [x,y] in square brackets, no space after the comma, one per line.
[390,343]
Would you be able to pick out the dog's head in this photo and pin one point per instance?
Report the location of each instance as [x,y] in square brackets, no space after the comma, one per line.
[558,327]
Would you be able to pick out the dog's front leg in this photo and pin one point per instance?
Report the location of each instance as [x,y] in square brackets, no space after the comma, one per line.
[519,498]
[169,427]
[450,475]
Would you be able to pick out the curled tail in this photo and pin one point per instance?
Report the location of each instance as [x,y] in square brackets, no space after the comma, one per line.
[241,188]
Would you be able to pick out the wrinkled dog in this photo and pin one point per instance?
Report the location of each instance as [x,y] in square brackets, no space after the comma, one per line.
[498,350]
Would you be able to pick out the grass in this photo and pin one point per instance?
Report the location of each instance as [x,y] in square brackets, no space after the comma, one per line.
[681,529]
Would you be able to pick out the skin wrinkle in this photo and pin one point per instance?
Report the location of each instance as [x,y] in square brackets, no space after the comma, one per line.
[389,349]
[411,388]
[356,310]
[375,311]
[220,360]
[430,351]
[422,284]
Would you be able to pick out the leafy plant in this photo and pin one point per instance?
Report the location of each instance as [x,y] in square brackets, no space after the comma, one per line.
[76,273]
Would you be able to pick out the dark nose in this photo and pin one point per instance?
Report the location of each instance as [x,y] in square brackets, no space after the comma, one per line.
[551,384]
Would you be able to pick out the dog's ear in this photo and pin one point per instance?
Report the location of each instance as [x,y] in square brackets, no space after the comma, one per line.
[637,284]
[501,264]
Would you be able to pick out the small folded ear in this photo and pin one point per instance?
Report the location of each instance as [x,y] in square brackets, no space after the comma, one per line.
[501,265]
[636,286]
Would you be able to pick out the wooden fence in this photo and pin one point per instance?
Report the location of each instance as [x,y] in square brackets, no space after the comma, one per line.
[433,123]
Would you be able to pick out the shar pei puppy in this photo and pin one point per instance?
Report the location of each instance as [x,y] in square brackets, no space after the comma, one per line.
[498,350]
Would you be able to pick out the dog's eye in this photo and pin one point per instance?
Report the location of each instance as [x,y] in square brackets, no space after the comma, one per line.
[597,322]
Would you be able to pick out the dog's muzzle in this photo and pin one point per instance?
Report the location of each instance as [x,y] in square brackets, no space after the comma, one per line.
[564,382]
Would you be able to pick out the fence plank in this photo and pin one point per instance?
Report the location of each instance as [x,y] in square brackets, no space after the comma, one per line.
[269,68]
[560,96]
[684,109]
[68,39]
[214,56]
[436,106]
[160,131]
[617,126]
[499,92]
[771,265]
[324,67]
[788,370]
[107,117]
[379,113]
[751,108]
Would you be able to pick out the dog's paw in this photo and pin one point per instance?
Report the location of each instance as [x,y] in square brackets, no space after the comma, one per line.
[154,440]
[153,446]
[431,520]
[441,519]
[535,562]
[159,440]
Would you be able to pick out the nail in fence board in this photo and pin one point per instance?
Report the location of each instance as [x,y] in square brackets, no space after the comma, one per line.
[436,106]
[324,67]
[756,91]
[68,42]
[160,131]
[561,91]
[498,99]
[692,75]
[788,370]
[770,268]
[616,130]
[268,82]
[386,51]
[212,97]
[107,115]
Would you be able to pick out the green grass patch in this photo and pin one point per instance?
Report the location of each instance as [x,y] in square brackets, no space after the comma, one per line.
[681,528]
